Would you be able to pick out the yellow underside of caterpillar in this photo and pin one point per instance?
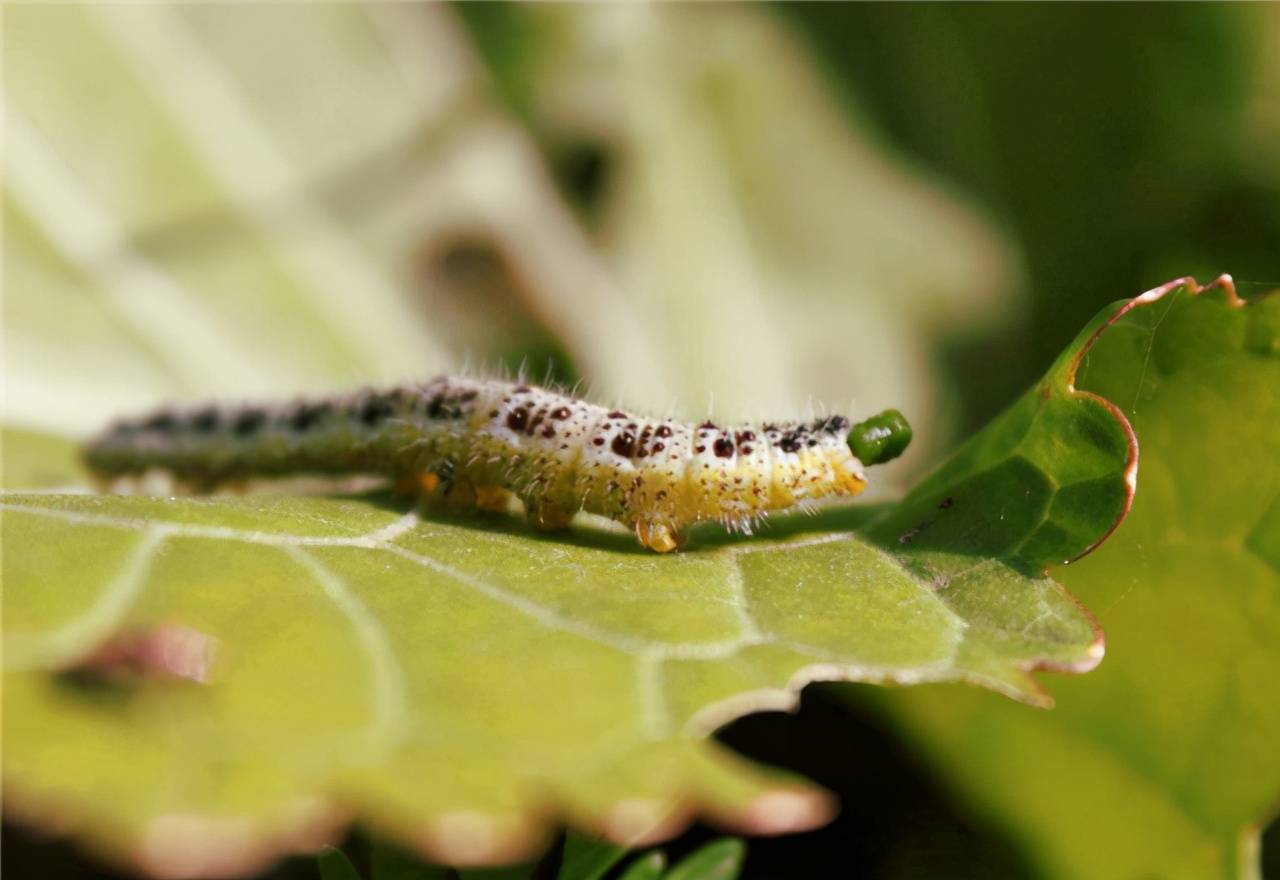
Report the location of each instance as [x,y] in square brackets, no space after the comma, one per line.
[656,503]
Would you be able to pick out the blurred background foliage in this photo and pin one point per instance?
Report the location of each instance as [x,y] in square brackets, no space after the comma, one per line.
[1113,146]
[756,210]
[750,210]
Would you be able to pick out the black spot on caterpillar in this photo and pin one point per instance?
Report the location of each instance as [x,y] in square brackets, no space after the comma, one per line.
[301,418]
[472,442]
[248,421]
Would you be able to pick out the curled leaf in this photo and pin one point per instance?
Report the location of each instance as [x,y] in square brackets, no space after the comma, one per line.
[1164,758]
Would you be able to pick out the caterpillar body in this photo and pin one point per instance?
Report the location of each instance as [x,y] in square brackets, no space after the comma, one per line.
[475,443]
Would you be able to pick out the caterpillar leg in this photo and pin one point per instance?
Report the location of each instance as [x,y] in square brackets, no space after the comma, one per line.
[657,536]
[410,485]
[494,499]
[447,495]
[548,517]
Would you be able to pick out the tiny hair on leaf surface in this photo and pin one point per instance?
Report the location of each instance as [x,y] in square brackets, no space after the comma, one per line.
[1163,763]
[460,686]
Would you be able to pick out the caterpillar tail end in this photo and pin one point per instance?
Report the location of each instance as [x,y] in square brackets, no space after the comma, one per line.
[881,438]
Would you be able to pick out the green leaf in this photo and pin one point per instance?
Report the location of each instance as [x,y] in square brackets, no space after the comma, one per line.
[1164,762]
[718,860]
[38,460]
[587,858]
[454,684]
[334,865]
[646,867]
[198,686]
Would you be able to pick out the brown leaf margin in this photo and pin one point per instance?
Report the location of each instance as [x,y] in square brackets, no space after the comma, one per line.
[1223,282]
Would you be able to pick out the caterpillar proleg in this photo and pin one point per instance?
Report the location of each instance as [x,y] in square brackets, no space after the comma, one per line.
[474,443]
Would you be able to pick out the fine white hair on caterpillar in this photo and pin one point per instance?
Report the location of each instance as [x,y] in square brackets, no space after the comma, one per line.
[474,443]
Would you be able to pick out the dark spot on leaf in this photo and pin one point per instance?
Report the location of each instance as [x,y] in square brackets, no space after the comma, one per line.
[160,651]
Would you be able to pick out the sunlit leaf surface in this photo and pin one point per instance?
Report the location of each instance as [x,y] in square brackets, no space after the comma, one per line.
[198,684]
[1163,762]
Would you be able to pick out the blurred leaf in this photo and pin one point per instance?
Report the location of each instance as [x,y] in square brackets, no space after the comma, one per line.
[717,860]
[334,865]
[777,254]
[455,684]
[166,234]
[646,867]
[587,858]
[1164,763]
[1092,166]
[37,460]
[240,200]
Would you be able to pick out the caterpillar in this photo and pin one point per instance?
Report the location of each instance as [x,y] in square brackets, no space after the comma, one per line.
[471,443]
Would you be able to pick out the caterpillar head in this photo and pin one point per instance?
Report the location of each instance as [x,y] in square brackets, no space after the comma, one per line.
[881,438]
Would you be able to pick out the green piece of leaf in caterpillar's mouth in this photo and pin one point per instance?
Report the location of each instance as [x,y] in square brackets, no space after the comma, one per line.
[881,438]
